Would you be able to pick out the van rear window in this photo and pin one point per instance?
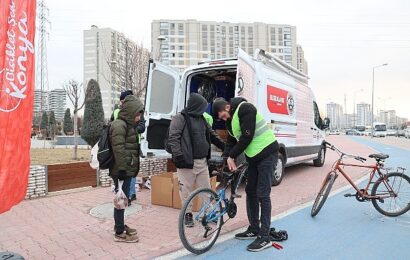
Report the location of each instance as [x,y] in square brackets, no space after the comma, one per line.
[162,90]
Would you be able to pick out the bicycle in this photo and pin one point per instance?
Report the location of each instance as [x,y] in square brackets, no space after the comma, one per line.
[209,208]
[384,193]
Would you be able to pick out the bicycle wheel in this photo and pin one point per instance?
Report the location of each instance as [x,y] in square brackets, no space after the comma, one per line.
[395,193]
[323,193]
[207,217]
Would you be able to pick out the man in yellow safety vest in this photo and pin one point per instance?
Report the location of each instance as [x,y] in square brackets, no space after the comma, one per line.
[250,134]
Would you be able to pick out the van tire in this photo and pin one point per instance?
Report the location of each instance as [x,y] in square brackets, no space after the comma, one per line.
[278,176]
[320,158]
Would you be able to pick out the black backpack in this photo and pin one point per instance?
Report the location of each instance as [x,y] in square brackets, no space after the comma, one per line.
[105,155]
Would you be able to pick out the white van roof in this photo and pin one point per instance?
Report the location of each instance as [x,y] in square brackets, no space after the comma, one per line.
[259,55]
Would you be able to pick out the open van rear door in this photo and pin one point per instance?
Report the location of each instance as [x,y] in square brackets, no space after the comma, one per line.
[245,77]
[160,104]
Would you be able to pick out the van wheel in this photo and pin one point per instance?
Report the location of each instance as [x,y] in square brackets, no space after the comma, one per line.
[279,171]
[321,157]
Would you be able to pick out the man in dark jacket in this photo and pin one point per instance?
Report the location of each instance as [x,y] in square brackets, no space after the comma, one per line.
[189,140]
[249,134]
[123,136]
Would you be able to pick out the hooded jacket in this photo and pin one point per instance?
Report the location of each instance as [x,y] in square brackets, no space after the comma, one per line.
[186,146]
[123,136]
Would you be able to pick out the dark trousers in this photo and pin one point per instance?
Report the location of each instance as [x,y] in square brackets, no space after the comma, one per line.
[258,188]
[119,213]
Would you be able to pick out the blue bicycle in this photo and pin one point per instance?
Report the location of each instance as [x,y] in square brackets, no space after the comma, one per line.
[209,207]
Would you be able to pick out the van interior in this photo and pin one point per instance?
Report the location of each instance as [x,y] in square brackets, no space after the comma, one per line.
[212,84]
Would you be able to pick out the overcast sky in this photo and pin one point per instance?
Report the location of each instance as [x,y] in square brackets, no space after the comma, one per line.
[342,40]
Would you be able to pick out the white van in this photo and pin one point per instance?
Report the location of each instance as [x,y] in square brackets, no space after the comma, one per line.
[279,91]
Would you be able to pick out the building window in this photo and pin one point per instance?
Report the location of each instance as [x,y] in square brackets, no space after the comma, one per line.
[163,32]
[180,48]
[288,58]
[287,50]
[172,47]
[204,27]
[212,28]
[288,43]
[280,50]
[181,40]
[287,36]
[286,30]
[163,25]
[180,55]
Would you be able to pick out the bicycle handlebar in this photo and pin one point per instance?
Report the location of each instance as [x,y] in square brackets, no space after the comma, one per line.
[342,154]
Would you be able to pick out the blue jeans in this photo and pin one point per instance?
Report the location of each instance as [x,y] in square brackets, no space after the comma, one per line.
[132,187]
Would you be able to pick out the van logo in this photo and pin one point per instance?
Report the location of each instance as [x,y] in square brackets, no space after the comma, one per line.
[241,84]
[291,104]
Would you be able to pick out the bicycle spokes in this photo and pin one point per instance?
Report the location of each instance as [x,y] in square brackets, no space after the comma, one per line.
[392,194]
[206,211]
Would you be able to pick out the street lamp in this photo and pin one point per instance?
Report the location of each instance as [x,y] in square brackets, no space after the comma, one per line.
[354,107]
[385,64]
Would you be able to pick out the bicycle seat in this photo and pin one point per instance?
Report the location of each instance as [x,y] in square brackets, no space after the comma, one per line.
[379,156]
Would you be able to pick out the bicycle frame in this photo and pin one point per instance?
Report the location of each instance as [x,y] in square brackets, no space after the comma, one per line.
[222,198]
[337,167]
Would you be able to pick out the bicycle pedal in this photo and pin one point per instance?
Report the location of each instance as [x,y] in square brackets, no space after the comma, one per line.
[349,195]
[236,196]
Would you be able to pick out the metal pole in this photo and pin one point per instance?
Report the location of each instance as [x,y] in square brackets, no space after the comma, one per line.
[372,104]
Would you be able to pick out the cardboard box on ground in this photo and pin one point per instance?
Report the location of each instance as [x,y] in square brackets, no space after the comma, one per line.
[165,191]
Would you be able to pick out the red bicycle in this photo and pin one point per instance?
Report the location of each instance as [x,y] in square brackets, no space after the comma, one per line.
[390,193]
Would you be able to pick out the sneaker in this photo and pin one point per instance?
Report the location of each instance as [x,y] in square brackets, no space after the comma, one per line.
[189,221]
[247,234]
[125,238]
[259,244]
[128,230]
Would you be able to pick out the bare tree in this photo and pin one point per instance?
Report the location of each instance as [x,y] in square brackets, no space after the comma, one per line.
[129,68]
[75,93]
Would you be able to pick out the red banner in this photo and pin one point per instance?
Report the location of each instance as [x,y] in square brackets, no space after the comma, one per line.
[17,29]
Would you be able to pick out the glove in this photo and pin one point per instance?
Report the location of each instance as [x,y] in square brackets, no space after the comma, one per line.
[179,161]
[122,174]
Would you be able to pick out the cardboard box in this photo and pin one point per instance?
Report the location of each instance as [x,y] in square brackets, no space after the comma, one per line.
[161,189]
[165,191]
[176,204]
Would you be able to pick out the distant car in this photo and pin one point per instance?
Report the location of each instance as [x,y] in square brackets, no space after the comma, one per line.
[407,132]
[400,132]
[391,132]
[334,132]
[350,132]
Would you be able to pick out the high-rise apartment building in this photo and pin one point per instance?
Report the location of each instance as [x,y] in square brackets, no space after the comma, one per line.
[107,59]
[364,115]
[40,106]
[181,43]
[57,99]
[335,113]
